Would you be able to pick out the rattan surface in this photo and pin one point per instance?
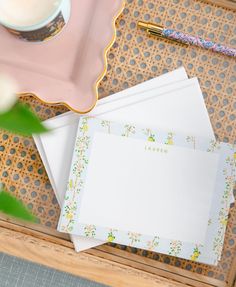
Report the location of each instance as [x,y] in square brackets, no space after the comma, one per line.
[136,57]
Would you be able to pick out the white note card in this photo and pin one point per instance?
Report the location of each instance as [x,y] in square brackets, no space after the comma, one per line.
[149,188]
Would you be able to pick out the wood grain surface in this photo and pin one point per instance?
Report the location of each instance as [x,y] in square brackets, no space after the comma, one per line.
[61,257]
[53,249]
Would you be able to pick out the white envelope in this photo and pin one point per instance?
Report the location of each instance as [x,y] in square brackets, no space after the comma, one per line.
[182,110]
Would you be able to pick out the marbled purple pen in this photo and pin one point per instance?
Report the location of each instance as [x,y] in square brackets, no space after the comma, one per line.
[173,35]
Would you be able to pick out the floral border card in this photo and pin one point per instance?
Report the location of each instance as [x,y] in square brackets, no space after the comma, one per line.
[149,189]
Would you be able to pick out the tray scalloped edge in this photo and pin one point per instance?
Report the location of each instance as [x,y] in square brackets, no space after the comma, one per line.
[100,77]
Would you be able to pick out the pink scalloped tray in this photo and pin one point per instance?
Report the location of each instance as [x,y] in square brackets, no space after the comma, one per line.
[67,69]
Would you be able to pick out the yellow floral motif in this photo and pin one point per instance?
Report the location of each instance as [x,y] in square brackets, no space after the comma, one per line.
[70,184]
[196,254]
[85,128]
[151,138]
[111,237]
[169,139]
[69,216]
[224,221]
[150,135]
[84,125]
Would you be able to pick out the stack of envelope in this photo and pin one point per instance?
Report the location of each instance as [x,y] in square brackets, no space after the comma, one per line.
[163,127]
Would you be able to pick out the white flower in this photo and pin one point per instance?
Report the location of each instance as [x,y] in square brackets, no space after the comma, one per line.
[8,90]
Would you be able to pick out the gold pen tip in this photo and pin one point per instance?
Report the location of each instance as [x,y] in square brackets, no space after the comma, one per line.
[143,25]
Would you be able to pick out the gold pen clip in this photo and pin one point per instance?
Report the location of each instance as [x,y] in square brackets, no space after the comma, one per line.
[157,30]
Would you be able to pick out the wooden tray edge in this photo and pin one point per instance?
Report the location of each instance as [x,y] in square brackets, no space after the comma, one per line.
[43,247]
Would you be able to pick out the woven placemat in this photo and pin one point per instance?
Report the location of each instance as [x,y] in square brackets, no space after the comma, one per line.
[15,272]
[134,58]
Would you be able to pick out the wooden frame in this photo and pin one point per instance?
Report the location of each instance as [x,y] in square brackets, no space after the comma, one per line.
[103,264]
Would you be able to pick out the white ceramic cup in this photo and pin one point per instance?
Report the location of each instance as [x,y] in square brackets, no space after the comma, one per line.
[35,27]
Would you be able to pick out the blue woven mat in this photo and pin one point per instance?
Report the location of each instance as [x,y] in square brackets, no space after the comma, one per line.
[15,272]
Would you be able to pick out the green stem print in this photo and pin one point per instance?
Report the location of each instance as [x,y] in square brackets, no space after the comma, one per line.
[214,145]
[169,139]
[175,247]
[150,135]
[134,237]
[107,126]
[223,213]
[71,207]
[128,130]
[90,230]
[196,253]
[81,146]
[153,243]
[191,139]
[75,185]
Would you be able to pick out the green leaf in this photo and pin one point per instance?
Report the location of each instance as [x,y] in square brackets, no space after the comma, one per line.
[12,206]
[21,120]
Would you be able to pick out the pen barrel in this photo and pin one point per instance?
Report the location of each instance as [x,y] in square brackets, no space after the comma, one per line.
[197,41]
[151,28]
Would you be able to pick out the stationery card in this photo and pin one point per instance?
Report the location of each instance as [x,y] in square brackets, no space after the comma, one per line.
[56,147]
[149,189]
